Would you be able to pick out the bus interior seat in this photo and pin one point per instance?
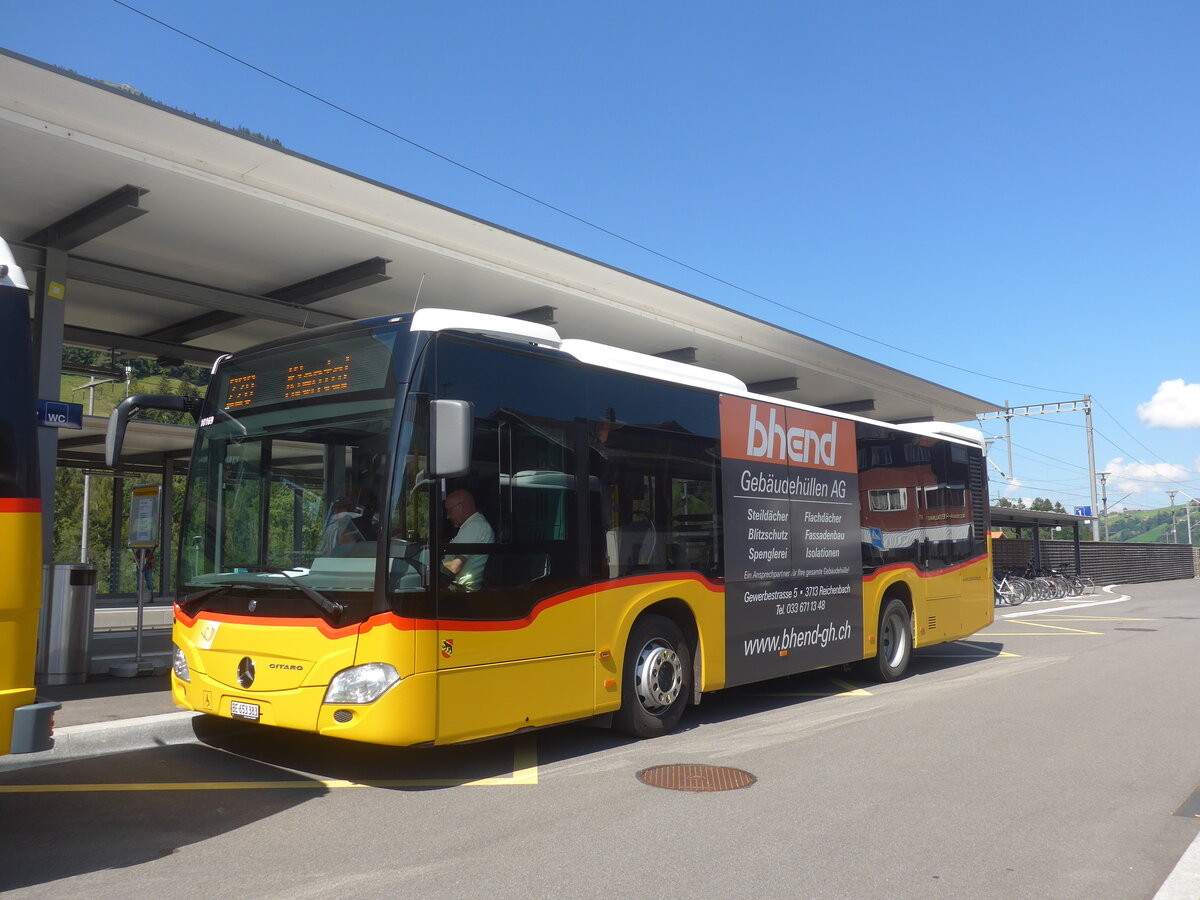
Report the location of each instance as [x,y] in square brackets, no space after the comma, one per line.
[507,570]
[637,547]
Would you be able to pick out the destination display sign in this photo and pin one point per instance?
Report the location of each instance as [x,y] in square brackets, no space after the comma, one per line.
[313,371]
[793,558]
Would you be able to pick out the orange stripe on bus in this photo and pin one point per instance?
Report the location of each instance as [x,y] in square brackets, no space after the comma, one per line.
[557,599]
[320,624]
[405,623]
[895,567]
[20,505]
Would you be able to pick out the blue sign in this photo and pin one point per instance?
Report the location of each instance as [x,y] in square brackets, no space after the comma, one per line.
[1083,511]
[57,414]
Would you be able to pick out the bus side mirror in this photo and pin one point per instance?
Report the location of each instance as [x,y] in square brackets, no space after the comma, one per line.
[452,423]
[131,406]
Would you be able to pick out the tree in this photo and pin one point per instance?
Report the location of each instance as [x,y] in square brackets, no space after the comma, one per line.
[1005,503]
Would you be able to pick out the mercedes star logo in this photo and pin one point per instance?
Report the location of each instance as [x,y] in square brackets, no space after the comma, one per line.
[246,672]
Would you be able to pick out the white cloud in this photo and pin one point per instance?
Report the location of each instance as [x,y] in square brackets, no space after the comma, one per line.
[1012,485]
[1174,405]
[1143,478]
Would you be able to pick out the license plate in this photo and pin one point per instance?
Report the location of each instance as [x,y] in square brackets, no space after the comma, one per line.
[240,710]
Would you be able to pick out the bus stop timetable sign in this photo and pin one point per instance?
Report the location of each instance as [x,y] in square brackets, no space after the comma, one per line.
[143,515]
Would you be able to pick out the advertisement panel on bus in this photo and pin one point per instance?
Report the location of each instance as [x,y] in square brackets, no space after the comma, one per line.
[793,564]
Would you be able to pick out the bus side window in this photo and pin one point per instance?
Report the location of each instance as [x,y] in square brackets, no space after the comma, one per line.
[654,452]
[524,474]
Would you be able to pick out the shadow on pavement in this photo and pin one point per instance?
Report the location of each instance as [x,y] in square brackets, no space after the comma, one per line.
[431,768]
[394,768]
[120,810]
[115,811]
[793,691]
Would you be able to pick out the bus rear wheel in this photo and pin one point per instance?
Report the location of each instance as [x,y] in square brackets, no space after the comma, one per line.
[894,643]
[656,678]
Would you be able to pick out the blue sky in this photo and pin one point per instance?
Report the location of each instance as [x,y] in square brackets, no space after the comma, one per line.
[1008,188]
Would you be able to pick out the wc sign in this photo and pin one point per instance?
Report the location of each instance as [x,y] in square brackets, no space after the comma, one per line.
[57,414]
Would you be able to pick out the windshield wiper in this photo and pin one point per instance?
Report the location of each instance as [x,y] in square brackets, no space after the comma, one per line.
[331,608]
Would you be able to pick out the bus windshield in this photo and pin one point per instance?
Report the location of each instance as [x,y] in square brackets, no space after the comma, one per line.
[288,473]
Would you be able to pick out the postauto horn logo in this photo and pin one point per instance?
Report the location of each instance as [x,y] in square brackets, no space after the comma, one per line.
[771,440]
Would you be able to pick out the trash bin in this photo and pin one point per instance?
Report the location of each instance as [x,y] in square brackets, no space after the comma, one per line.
[64,652]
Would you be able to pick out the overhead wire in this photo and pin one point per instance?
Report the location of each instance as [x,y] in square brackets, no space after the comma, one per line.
[1129,455]
[570,215]
[1125,453]
[1049,457]
[664,256]
[1065,490]
[1128,432]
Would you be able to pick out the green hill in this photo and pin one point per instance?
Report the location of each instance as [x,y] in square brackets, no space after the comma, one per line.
[146,377]
[1152,526]
[1143,526]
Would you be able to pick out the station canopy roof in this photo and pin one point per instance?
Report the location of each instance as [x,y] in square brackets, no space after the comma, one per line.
[1006,517]
[185,240]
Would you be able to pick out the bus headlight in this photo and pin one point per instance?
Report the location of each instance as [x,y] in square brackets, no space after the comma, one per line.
[362,684]
[179,664]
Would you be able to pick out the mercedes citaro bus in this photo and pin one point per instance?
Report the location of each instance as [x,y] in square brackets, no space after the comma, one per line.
[644,532]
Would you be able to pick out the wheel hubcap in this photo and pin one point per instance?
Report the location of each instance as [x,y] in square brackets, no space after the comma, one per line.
[892,640]
[658,676]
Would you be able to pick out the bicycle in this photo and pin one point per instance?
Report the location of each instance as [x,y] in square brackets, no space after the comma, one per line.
[1081,584]
[1011,590]
[1057,584]
[1044,587]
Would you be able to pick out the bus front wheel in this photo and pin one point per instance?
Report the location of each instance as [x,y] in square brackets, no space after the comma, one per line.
[894,643]
[656,678]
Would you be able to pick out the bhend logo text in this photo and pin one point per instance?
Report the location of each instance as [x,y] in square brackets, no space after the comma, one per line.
[772,441]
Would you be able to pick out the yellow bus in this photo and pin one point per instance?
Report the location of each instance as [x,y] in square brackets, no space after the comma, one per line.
[25,725]
[447,526]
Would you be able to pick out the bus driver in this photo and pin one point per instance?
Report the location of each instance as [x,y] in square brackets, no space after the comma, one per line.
[473,528]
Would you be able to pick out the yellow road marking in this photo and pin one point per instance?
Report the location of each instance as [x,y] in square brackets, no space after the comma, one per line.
[1095,619]
[847,690]
[525,772]
[525,765]
[1050,631]
[1064,633]
[1059,628]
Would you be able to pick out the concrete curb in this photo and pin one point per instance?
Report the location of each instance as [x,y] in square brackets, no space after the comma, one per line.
[102,738]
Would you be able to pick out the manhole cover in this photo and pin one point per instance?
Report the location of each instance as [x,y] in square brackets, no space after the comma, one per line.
[1135,629]
[688,777]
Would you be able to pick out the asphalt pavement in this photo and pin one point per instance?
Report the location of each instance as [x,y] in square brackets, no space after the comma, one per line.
[115,714]
[107,714]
